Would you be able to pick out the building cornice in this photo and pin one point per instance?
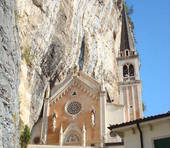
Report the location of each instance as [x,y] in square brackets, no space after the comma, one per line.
[127,57]
[134,82]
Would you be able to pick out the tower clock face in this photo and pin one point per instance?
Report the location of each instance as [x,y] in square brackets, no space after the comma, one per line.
[73,108]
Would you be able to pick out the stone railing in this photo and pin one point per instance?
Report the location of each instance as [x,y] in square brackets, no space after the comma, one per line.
[130,78]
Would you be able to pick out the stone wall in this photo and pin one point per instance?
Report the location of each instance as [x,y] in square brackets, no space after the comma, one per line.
[9,81]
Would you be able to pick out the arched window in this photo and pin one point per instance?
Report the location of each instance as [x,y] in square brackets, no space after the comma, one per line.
[125,71]
[54,122]
[93,114]
[127,53]
[131,70]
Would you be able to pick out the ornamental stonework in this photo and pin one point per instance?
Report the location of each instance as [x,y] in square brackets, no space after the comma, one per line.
[73,108]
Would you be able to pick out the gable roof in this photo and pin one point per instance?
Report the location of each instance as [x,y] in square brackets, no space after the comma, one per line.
[75,79]
[150,118]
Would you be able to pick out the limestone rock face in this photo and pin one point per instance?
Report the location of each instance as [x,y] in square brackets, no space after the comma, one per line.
[9,80]
[56,35]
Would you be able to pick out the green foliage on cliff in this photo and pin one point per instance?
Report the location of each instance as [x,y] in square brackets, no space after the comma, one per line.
[21,125]
[143,106]
[17,16]
[26,55]
[25,137]
[129,11]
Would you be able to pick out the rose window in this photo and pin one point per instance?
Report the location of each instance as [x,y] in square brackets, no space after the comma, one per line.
[73,107]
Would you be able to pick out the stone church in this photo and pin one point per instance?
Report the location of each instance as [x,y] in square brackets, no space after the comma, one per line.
[78,110]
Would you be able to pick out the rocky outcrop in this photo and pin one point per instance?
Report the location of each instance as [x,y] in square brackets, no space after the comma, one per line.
[57,35]
[60,34]
[9,80]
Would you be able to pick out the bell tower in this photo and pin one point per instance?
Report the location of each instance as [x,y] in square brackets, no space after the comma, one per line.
[130,87]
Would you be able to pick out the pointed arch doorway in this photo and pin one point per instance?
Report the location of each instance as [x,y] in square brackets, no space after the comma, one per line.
[73,135]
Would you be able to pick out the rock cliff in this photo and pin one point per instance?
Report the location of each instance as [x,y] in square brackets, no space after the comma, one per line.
[9,80]
[54,36]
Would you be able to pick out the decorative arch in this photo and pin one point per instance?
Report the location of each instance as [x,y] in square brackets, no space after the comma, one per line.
[131,70]
[128,71]
[127,52]
[73,135]
[125,71]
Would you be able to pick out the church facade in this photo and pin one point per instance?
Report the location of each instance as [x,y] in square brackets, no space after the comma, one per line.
[78,110]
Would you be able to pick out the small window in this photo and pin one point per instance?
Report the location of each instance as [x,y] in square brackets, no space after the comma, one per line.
[125,71]
[74,93]
[112,134]
[54,122]
[127,53]
[131,70]
[162,143]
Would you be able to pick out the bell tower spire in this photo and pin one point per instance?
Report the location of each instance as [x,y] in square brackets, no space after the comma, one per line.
[127,41]
[130,86]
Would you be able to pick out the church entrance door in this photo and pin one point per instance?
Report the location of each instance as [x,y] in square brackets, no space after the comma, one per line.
[72,138]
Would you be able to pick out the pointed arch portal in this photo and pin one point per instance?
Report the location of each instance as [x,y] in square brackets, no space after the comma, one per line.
[73,135]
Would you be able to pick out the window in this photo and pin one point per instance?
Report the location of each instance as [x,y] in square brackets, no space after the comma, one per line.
[127,53]
[128,72]
[162,143]
[54,122]
[74,93]
[125,71]
[131,70]
[73,108]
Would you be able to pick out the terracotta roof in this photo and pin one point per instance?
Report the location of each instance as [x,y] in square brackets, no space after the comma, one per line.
[139,120]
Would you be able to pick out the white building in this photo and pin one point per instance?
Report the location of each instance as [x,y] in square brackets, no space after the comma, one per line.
[150,132]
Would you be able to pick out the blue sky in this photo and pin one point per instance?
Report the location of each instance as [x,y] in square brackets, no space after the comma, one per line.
[152,31]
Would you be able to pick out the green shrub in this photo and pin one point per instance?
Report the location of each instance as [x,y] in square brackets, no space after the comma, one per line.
[143,106]
[17,16]
[21,125]
[25,137]
[26,55]
[129,11]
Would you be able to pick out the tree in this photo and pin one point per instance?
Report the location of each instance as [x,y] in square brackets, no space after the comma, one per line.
[143,106]
[129,11]
[25,137]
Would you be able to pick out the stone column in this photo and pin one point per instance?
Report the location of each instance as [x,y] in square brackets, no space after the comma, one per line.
[61,135]
[84,135]
[45,123]
[102,114]
[44,127]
